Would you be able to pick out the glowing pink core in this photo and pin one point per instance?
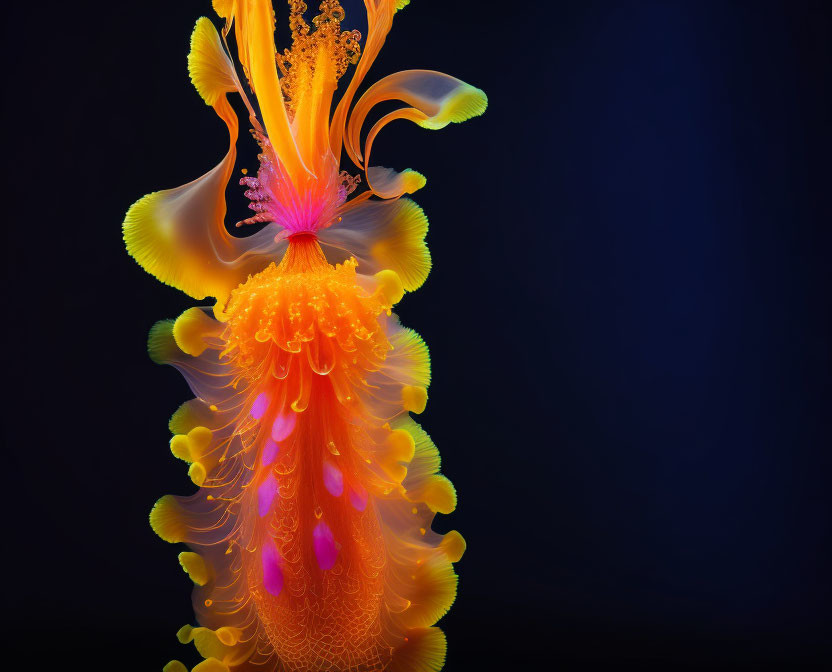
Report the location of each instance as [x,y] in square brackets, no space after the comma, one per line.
[333,479]
[275,198]
[283,426]
[270,451]
[358,497]
[272,574]
[260,406]
[265,495]
[325,550]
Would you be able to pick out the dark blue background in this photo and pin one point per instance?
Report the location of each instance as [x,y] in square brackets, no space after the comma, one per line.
[629,319]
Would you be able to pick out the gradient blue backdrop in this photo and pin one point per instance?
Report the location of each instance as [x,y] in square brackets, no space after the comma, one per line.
[629,319]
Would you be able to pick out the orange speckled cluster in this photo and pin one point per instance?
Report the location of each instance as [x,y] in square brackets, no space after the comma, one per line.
[305,306]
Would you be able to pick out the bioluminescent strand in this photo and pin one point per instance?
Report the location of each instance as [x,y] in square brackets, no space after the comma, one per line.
[310,532]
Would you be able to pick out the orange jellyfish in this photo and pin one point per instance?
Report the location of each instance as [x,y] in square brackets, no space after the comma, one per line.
[309,534]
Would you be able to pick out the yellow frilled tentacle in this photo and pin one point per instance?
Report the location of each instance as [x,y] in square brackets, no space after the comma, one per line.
[179,235]
[436,100]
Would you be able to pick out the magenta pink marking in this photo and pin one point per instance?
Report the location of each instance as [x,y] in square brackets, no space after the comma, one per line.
[358,497]
[272,574]
[325,550]
[270,451]
[265,495]
[283,426]
[260,406]
[333,479]
[274,197]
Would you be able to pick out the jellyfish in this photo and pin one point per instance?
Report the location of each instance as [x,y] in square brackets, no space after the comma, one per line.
[309,534]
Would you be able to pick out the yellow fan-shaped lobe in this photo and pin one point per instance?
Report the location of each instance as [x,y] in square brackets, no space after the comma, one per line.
[151,240]
[197,473]
[180,446]
[175,666]
[211,71]
[161,345]
[414,398]
[195,567]
[432,592]
[185,634]
[385,235]
[423,651]
[229,635]
[200,440]
[403,249]
[400,446]
[436,491]
[211,665]
[191,329]
[218,647]
[192,447]
[409,346]
[178,235]
[166,520]
[454,545]
[426,459]
[191,414]
[465,102]
[390,285]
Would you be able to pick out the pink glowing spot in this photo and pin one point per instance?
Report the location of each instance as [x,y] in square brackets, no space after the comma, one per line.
[358,497]
[270,451]
[325,550]
[265,495]
[333,479]
[283,426]
[260,406]
[272,574]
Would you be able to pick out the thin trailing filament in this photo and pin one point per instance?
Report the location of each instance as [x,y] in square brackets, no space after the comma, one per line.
[308,532]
